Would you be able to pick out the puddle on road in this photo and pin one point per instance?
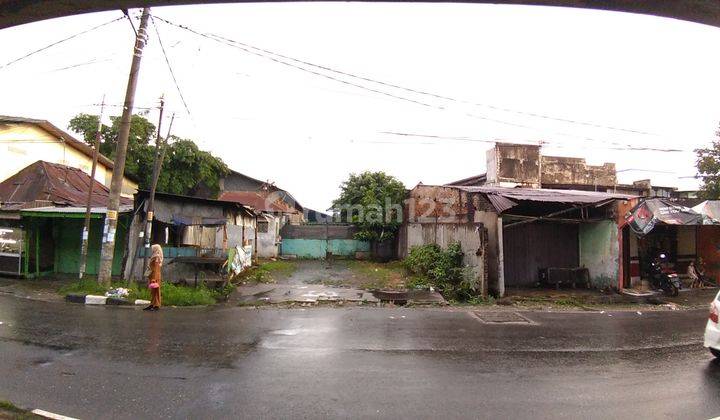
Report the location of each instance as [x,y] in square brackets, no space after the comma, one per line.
[286,332]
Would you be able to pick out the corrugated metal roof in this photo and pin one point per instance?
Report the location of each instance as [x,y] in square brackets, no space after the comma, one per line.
[469,181]
[547,195]
[500,203]
[57,184]
[257,201]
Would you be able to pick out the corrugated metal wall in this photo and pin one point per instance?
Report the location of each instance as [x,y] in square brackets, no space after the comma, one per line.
[532,246]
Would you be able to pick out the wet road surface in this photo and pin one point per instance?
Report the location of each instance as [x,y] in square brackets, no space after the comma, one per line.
[227,362]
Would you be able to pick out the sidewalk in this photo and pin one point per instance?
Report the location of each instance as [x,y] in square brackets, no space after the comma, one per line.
[44,290]
[587,299]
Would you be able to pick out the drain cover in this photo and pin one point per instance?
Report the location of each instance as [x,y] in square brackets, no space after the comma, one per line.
[502,318]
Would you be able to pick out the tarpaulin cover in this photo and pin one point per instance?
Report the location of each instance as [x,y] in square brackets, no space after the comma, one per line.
[181,220]
[643,217]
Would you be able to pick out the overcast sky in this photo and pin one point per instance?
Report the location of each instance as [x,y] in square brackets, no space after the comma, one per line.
[647,81]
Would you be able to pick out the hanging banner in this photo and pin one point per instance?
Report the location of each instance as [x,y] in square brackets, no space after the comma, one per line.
[643,217]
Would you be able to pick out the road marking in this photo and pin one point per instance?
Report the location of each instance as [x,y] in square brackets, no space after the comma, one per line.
[49,415]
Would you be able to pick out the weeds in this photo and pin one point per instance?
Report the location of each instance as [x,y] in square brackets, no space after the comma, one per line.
[442,269]
[268,272]
[172,295]
[379,275]
[84,287]
[11,411]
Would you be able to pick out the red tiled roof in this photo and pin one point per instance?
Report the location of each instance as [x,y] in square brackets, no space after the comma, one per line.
[258,200]
[59,184]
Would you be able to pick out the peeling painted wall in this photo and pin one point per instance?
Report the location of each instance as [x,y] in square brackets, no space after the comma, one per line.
[600,252]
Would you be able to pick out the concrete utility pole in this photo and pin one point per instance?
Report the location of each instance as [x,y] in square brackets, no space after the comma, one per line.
[108,244]
[86,226]
[160,148]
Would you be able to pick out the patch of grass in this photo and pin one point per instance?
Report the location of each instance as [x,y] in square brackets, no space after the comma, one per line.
[8,406]
[269,271]
[279,267]
[83,287]
[173,295]
[380,275]
[9,410]
[474,301]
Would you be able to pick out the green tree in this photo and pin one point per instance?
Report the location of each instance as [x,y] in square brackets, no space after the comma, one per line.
[373,202]
[708,166]
[186,169]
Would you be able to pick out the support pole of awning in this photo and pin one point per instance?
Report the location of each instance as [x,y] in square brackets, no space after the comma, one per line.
[558,213]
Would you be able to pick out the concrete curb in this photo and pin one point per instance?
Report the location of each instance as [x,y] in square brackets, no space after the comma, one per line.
[49,415]
[103,300]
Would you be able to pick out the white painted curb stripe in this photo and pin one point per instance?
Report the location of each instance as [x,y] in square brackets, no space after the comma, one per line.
[95,300]
[49,415]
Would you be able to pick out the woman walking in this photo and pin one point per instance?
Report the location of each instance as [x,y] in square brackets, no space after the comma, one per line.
[155,278]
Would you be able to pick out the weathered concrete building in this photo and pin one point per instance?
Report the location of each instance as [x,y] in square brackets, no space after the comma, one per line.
[27,140]
[508,235]
[549,214]
[523,165]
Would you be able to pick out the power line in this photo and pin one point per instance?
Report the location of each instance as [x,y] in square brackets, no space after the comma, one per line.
[417,91]
[469,139]
[263,53]
[59,42]
[167,60]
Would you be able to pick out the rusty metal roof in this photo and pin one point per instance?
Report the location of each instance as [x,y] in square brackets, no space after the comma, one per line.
[475,180]
[504,198]
[260,201]
[55,184]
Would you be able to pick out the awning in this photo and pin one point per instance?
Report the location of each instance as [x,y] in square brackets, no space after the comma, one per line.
[504,198]
[643,217]
[70,212]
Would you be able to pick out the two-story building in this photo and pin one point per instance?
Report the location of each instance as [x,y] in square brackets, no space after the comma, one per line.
[24,141]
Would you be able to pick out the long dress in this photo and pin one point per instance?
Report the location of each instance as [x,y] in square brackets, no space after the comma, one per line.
[155,277]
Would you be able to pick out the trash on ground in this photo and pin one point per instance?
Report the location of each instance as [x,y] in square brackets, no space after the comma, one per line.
[119,292]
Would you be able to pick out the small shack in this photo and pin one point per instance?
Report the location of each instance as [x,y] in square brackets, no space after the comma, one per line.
[274,214]
[195,233]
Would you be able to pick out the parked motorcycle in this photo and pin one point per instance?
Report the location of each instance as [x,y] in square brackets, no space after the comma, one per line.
[662,279]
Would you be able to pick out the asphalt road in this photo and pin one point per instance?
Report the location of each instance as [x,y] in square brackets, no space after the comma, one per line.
[225,362]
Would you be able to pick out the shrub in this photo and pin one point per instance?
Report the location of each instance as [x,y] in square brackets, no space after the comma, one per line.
[442,269]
